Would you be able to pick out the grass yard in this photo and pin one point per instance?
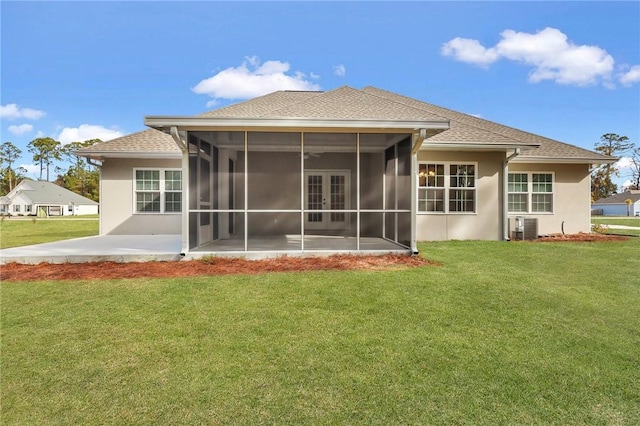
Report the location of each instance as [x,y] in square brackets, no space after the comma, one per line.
[626,221]
[501,333]
[26,231]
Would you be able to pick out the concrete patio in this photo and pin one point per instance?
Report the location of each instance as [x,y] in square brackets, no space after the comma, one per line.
[140,248]
[115,248]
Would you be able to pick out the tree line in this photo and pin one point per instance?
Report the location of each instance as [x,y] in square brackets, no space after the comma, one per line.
[80,176]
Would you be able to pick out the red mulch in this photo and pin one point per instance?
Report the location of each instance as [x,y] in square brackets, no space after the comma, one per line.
[208,266]
[582,237]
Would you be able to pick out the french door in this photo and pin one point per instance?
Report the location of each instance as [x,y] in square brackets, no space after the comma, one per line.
[327,193]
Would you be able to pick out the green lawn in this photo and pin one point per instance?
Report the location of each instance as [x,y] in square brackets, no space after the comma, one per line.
[16,232]
[501,333]
[626,221]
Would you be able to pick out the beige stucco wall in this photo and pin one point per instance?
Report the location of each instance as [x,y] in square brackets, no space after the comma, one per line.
[486,223]
[571,200]
[571,197]
[116,200]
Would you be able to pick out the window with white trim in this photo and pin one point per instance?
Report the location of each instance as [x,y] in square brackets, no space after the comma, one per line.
[16,208]
[530,192]
[447,187]
[27,208]
[157,190]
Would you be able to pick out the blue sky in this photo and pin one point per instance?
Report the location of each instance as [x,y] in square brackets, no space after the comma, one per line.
[79,70]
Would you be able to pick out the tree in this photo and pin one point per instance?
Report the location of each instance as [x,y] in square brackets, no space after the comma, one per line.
[635,168]
[45,151]
[9,153]
[602,184]
[10,175]
[80,177]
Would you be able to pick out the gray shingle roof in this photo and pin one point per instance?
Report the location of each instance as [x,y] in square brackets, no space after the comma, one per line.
[43,192]
[145,141]
[633,195]
[466,128]
[261,106]
[369,103]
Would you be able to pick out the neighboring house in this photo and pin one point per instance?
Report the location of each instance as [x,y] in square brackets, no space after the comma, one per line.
[616,205]
[42,198]
[343,170]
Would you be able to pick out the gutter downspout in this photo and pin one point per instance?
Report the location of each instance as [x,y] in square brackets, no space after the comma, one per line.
[505,194]
[98,165]
[419,138]
[185,188]
[93,163]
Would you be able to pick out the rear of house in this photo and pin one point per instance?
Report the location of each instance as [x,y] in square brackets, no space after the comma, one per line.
[345,170]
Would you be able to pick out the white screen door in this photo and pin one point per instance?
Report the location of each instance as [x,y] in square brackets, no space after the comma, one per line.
[326,190]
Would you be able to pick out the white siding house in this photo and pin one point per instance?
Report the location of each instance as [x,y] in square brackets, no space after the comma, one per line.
[42,198]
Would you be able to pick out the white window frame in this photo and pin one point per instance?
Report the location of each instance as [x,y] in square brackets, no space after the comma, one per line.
[27,208]
[447,188]
[16,208]
[162,190]
[530,193]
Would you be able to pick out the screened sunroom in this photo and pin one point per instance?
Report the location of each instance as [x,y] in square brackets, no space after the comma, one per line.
[295,186]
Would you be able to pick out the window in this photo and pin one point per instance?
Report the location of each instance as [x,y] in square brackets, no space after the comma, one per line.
[462,176]
[518,192]
[447,188]
[158,191]
[530,192]
[27,208]
[173,190]
[16,208]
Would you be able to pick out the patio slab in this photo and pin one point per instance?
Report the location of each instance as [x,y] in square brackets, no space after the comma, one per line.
[141,248]
[114,248]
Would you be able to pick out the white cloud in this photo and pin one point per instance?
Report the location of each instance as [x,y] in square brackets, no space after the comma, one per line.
[469,51]
[624,163]
[21,129]
[549,52]
[85,132]
[13,111]
[339,70]
[252,79]
[32,169]
[626,184]
[632,76]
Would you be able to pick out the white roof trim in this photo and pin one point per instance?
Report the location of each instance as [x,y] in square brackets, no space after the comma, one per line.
[130,154]
[426,146]
[164,123]
[561,160]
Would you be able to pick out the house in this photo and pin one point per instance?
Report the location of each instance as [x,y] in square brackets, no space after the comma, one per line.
[342,170]
[616,205]
[42,198]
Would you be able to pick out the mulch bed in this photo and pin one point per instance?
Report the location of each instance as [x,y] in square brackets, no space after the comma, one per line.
[582,237]
[205,266]
[227,266]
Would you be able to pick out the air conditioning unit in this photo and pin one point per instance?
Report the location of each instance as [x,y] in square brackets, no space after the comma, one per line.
[523,228]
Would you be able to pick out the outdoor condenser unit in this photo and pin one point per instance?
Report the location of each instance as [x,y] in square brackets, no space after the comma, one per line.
[523,228]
